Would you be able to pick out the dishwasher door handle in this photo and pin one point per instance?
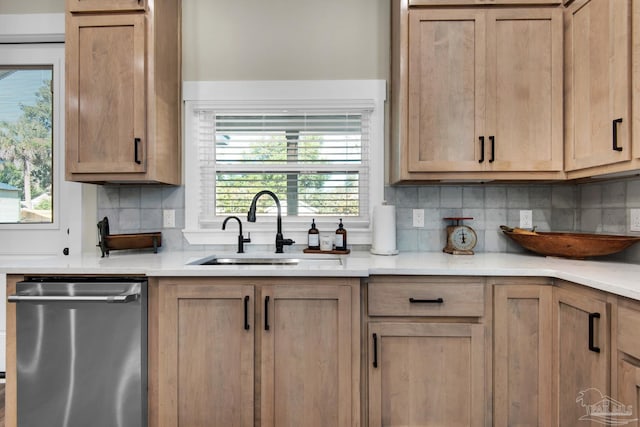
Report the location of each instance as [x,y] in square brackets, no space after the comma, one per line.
[119,298]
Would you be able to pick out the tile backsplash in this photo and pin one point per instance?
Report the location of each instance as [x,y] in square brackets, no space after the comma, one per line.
[601,207]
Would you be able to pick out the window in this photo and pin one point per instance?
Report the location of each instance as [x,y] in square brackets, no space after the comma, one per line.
[26,143]
[30,55]
[314,144]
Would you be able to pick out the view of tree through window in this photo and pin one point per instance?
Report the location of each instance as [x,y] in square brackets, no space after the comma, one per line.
[26,143]
[311,161]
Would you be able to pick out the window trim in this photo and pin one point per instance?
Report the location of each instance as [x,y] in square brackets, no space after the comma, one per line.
[295,94]
[33,32]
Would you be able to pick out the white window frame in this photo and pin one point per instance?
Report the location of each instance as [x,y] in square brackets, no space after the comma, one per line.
[298,93]
[66,231]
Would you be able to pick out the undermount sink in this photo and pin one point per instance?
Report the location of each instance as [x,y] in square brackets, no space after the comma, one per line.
[248,260]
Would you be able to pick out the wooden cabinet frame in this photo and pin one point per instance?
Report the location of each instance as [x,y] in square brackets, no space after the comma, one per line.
[289,306]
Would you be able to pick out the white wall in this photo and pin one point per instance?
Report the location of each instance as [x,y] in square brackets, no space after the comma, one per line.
[31,6]
[285,39]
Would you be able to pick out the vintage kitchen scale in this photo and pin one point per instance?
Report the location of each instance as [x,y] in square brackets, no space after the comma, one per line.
[461,239]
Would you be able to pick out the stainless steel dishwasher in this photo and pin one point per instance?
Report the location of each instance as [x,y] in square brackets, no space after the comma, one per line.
[81,352]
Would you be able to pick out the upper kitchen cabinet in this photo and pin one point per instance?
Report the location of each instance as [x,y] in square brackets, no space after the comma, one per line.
[480,2]
[598,44]
[104,5]
[123,77]
[476,93]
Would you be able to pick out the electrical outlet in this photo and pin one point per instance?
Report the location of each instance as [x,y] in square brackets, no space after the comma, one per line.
[418,218]
[634,219]
[526,219]
[168,218]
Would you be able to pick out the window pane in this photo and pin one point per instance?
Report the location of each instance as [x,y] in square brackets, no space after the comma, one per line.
[303,194]
[303,139]
[26,143]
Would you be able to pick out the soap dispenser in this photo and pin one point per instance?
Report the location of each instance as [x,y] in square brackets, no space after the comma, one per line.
[313,236]
[341,238]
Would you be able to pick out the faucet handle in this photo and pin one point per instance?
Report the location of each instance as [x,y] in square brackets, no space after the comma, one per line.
[247,239]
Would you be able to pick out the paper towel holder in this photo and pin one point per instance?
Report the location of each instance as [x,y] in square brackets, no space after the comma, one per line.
[383,240]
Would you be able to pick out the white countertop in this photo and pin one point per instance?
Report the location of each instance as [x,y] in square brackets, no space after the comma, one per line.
[618,278]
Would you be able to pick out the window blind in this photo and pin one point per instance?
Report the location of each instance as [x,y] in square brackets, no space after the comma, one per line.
[315,161]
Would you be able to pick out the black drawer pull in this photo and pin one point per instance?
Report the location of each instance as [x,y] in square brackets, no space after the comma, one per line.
[493,149]
[246,312]
[481,150]
[615,134]
[426,301]
[266,313]
[375,350]
[136,144]
[592,346]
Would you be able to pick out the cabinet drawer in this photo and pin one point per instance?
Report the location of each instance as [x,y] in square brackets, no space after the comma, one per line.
[425,298]
[629,331]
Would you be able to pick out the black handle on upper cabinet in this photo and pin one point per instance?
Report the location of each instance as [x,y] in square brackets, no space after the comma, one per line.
[615,134]
[246,312]
[493,149]
[592,346]
[375,350]
[266,313]
[426,301]
[481,150]
[136,144]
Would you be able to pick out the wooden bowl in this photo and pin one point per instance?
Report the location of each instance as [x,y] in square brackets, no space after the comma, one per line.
[571,245]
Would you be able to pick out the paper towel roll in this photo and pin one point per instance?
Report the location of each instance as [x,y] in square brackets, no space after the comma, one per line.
[383,241]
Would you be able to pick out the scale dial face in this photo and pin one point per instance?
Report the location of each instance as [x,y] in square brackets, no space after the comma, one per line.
[462,238]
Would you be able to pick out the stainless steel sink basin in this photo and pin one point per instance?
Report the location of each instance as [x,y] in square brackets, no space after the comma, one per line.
[250,261]
[266,261]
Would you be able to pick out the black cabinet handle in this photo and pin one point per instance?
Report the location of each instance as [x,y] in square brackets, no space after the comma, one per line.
[481,150]
[592,346]
[375,350]
[426,301]
[615,134]
[136,144]
[246,312]
[493,149]
[266,313]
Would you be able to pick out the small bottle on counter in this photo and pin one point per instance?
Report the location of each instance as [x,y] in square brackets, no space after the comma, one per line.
[313,241]
[341,238]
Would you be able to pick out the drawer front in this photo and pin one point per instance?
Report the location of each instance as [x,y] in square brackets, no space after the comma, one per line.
[629,331]
[425,298]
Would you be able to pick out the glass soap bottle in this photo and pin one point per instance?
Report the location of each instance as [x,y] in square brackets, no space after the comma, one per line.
[341,238]
[313,241]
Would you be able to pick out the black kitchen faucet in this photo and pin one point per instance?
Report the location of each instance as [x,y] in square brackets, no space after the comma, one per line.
[251,217]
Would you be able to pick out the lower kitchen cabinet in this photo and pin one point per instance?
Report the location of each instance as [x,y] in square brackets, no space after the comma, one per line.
[581,355]
[628,364]
[426,374]
[522,343]
[426,351]
[255,352]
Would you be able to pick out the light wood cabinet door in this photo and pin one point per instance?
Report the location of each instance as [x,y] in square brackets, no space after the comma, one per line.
[522,388]
[105,121]
[628,363]
[206,355]
[628,391]
[104,5]
[582,356]
[485,90]
[480,2]
[598,83]
[446,89]
[306,357]
[524,90]
[426,374]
